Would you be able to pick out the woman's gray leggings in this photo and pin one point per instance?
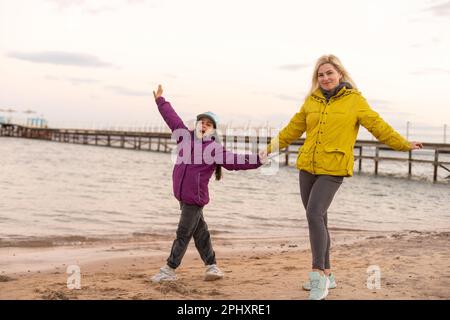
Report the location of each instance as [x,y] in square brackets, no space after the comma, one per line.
[317,192]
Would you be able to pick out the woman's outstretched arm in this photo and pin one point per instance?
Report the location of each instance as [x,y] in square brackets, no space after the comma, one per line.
[294,130]
[381,130]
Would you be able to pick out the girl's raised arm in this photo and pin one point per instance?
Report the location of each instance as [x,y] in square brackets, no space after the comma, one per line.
[167,112]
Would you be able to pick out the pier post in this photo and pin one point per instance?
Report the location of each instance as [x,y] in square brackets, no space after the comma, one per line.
[445,133]
[377,153]
[287,156]
[360,158]
[435,164]
[409,163]
[257,144]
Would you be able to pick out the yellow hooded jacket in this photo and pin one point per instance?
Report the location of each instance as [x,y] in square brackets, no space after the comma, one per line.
[331,130]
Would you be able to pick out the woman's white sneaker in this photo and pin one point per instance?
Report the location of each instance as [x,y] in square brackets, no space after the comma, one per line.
[307,285]
[319,286]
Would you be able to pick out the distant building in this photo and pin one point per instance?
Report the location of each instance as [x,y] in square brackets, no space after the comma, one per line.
[37,122]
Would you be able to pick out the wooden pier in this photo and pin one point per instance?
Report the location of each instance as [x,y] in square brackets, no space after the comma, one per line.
[150,141]
[162,142]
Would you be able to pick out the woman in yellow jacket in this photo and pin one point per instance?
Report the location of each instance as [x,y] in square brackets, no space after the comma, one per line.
[331,115]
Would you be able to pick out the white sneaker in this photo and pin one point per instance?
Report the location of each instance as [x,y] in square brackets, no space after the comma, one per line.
[213,273]
[166,273]
[333,285]
[319,286]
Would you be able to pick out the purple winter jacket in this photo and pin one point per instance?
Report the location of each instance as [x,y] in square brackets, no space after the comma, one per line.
[191,178]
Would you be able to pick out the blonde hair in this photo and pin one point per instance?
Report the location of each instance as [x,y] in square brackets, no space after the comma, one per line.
[337,64]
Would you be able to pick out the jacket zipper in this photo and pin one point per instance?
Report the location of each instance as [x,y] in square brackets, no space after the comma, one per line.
[315,145]
[198,188]
[184,173]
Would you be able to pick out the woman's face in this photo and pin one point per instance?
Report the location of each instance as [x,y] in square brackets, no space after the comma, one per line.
[328,76]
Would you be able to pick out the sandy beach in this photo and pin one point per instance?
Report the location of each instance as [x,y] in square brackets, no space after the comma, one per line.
[414,265]
[118,229]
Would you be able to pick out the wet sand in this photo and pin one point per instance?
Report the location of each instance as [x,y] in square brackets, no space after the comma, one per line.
[414,265]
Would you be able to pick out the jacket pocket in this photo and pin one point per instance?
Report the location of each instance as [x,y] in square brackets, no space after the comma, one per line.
[335,159]
[303,157]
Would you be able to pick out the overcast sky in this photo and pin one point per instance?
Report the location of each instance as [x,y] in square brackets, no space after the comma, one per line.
[98,61]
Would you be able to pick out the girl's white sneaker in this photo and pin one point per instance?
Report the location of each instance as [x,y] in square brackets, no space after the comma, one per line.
[213,273]
[166,273]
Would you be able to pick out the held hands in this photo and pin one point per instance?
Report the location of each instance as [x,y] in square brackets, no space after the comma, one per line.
[158,93]
[263,156]
[414,145]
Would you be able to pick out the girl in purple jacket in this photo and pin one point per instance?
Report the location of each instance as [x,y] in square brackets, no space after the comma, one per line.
[199,156]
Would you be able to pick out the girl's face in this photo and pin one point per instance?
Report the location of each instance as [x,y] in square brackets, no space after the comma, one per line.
[328,76]
[204,127]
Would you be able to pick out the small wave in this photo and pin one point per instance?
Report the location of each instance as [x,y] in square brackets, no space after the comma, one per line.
[111,212]
[89,196]
[40,242]
[91,220]
[259,218]
[215,232]
[226,228]
[280,226]
[347,229]
[148,234]
[123,221]
[247,189]
[378,195]
[63,220]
